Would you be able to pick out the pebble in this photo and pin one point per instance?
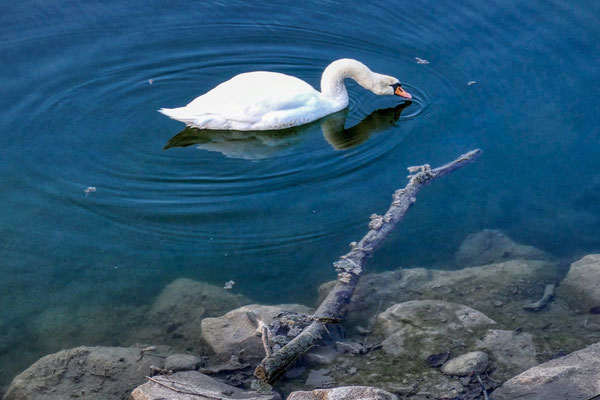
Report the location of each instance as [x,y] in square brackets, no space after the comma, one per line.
[182,362]
[475,362]
[498,303]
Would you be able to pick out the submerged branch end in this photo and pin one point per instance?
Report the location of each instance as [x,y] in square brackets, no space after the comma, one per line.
[541,303]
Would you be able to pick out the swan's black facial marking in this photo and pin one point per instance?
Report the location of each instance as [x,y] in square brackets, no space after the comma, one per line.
[398,91]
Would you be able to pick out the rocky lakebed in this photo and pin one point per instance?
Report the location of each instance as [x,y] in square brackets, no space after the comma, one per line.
[512,323]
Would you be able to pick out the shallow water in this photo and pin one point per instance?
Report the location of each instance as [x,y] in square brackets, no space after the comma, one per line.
[81,83]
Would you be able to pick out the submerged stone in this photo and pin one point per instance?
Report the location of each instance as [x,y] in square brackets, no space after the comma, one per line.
[491,246]
[512,352]
[418,328]
[581,286]
[175,316]
[499,290]
[92,373]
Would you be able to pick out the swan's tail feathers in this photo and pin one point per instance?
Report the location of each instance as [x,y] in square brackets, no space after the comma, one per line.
[180,114]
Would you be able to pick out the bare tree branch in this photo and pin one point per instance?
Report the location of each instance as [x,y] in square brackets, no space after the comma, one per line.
[350,267]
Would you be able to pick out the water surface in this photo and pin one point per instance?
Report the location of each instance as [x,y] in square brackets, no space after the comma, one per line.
[81,83]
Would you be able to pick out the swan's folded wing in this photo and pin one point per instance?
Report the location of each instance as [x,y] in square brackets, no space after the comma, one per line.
[248,97]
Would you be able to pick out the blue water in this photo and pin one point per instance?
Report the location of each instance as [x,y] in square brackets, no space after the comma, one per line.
[81,83]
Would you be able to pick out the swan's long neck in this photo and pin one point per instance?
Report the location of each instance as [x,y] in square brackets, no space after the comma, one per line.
[332,80]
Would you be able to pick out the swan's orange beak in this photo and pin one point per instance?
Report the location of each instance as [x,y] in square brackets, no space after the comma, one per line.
[402,93]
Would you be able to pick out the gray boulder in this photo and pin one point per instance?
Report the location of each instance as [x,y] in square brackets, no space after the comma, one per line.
[514,282]
[492,246]
[581,286]
[235,332]
[91,373]
[573,377]
[421,328]
[193,385]
[174,317]
[512,352]
[344,393]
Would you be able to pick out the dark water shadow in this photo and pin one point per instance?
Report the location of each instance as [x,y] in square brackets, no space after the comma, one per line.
[264,144]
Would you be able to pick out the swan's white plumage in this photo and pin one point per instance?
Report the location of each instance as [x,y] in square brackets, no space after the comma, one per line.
[269,100]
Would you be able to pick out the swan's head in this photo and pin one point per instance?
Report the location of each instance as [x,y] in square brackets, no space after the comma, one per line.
[398,91]
[389,85]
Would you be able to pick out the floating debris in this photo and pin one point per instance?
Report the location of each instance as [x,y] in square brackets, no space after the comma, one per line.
[90,189]
[471,83]
[421,61]
[229,285]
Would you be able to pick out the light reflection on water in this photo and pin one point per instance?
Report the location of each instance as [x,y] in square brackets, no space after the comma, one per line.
[81,85]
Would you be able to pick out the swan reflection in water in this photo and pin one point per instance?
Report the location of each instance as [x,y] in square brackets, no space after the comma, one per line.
[254,145]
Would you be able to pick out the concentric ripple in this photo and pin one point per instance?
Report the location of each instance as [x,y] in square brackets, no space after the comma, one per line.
[101,112]
[105,201]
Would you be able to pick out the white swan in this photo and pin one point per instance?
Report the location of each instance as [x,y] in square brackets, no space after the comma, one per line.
[263,100]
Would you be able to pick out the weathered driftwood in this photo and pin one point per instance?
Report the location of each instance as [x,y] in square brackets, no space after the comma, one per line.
[350,267]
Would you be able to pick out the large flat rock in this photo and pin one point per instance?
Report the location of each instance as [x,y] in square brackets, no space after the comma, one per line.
[192,385]
[573,377]
[90,373]
[421,328]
